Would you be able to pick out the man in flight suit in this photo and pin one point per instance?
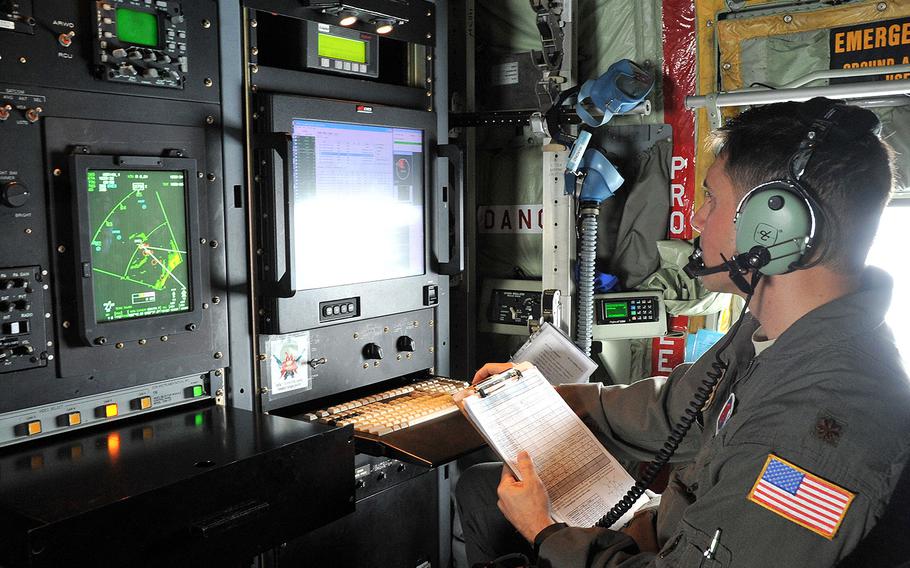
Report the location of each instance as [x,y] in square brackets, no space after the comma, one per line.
[795,454]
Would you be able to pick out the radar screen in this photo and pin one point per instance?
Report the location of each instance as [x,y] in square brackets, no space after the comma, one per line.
[139,257]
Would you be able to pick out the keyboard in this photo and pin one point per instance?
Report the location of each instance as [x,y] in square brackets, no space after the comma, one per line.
[394,409]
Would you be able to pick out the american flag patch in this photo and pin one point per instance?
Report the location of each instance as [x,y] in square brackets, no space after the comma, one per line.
[801,497]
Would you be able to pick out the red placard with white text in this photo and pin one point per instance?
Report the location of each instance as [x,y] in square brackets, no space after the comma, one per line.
[679,71]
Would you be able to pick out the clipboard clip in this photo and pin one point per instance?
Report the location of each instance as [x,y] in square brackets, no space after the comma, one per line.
[494,383]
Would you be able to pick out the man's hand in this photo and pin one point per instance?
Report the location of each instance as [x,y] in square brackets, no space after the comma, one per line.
[489,370]
[525,503]
[641,529]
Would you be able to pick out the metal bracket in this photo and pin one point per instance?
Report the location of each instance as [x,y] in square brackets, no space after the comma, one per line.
[714,115]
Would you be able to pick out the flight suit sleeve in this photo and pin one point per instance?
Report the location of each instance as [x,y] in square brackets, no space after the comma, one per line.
[778,530]
[751,535]
[634,420]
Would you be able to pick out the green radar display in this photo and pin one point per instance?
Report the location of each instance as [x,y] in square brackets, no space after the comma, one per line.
[140,264]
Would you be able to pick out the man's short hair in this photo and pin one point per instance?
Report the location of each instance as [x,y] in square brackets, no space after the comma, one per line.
[850,173]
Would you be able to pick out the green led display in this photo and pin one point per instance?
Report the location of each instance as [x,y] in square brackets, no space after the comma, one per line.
[140,264]
[342,48]
[614,310]
[137,27]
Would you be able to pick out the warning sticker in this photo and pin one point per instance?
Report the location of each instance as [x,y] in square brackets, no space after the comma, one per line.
[874,44]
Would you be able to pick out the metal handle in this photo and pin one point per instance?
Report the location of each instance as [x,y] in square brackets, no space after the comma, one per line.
[229,519]
[284,284]
[449,242]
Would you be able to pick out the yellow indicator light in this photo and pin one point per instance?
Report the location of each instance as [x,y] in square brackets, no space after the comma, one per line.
[74,418]
[145,402]
[110,410]
[34,427]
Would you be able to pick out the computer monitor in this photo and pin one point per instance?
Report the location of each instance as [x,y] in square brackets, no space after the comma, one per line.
[358,203]
[350,217]
[135,226]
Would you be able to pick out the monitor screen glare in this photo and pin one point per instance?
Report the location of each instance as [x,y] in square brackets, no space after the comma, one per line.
[140,264]
[358,203]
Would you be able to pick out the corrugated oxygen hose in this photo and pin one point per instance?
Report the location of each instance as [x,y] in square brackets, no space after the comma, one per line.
[587,252]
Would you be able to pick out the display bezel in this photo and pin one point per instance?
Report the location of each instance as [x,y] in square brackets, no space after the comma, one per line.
[154,326]
[292,309]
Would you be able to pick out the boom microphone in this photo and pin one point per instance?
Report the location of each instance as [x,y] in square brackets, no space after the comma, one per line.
[736,266]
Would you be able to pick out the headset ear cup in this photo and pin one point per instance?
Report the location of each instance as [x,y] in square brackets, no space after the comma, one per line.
[775,217]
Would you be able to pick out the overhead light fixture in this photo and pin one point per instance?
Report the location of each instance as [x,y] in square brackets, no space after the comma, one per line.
[384,26]
[347,18]
[351,14]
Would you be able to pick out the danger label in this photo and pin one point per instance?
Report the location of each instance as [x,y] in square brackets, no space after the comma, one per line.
[510,218]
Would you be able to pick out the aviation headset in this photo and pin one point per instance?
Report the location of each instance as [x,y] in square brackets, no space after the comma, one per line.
[777,221]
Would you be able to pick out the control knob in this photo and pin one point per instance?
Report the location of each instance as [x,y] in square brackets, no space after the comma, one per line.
[6,307]
[372,351]
[14,194]
[23,305]
[405,343]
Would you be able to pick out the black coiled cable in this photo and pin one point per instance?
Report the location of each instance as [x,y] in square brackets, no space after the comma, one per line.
[679,431]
